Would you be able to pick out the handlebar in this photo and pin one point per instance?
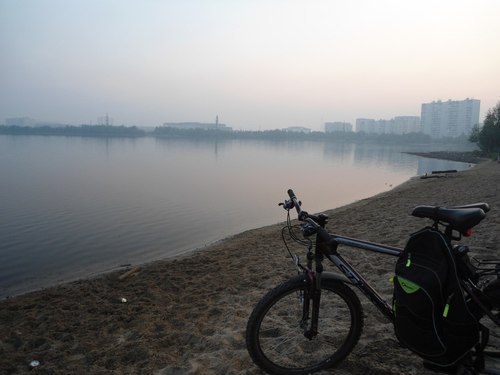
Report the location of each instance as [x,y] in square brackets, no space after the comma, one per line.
[303,215]
[296,204]
[318,222]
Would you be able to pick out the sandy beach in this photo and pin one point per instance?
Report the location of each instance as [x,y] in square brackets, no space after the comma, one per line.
[188,315]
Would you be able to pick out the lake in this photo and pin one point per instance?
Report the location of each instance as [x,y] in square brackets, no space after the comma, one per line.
[73,207]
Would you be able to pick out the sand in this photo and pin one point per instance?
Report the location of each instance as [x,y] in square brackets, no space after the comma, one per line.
[188,315]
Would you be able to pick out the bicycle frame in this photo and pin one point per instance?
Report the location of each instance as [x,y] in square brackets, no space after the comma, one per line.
[329,249]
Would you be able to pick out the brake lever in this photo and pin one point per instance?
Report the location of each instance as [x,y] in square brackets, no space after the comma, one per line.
[288,205]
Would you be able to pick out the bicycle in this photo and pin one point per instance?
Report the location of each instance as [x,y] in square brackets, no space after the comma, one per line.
[312,321]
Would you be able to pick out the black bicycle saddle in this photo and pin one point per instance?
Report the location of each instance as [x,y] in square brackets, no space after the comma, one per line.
[460,218]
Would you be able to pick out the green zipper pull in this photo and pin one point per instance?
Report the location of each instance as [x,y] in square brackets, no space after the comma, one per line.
[408,261]
[447,306]
[446,309]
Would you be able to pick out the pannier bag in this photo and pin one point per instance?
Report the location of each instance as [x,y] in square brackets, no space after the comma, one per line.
[431,316]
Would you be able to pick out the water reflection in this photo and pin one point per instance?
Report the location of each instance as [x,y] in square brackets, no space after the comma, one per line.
[341,152]
[76,206]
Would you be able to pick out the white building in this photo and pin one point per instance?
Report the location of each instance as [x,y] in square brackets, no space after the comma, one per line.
[29,122]
[338,126]
[297,129]
[452,118]
[197,125]
[397,125]
[21,121]
[371,126]
[407,124]
[366,125]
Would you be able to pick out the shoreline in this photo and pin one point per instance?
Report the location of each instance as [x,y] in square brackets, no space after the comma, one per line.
[187,314]
[464,157]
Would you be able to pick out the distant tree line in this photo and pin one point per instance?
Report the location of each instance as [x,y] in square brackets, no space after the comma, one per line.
[82,131]
[283,135]
[213,134]
[488,137]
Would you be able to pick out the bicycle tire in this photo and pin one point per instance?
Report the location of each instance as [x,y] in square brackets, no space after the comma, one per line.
[275,339]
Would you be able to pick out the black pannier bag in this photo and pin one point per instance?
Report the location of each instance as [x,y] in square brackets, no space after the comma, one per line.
[431,315]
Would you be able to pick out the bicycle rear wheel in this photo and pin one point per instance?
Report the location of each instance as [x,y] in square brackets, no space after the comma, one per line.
[275,335]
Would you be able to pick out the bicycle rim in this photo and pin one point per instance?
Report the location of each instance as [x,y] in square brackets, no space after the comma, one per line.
[282,348]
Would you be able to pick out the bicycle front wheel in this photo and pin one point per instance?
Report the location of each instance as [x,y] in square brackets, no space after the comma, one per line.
[275,330]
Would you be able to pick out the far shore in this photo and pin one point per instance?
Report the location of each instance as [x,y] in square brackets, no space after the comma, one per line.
[187,315]
[464,157]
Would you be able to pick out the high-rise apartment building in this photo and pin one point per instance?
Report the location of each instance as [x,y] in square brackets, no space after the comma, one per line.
[452,118]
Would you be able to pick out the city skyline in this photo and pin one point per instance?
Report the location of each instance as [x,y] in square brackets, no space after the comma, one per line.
[259,65]
[403,123]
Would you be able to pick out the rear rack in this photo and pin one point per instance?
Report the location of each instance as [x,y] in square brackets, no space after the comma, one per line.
[486,267]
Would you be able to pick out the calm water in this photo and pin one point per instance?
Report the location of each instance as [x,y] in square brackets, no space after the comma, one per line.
[73,207]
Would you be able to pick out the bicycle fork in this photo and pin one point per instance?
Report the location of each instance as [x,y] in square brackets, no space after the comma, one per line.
[312,293]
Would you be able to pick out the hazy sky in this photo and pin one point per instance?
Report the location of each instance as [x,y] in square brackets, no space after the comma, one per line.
[257,64]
